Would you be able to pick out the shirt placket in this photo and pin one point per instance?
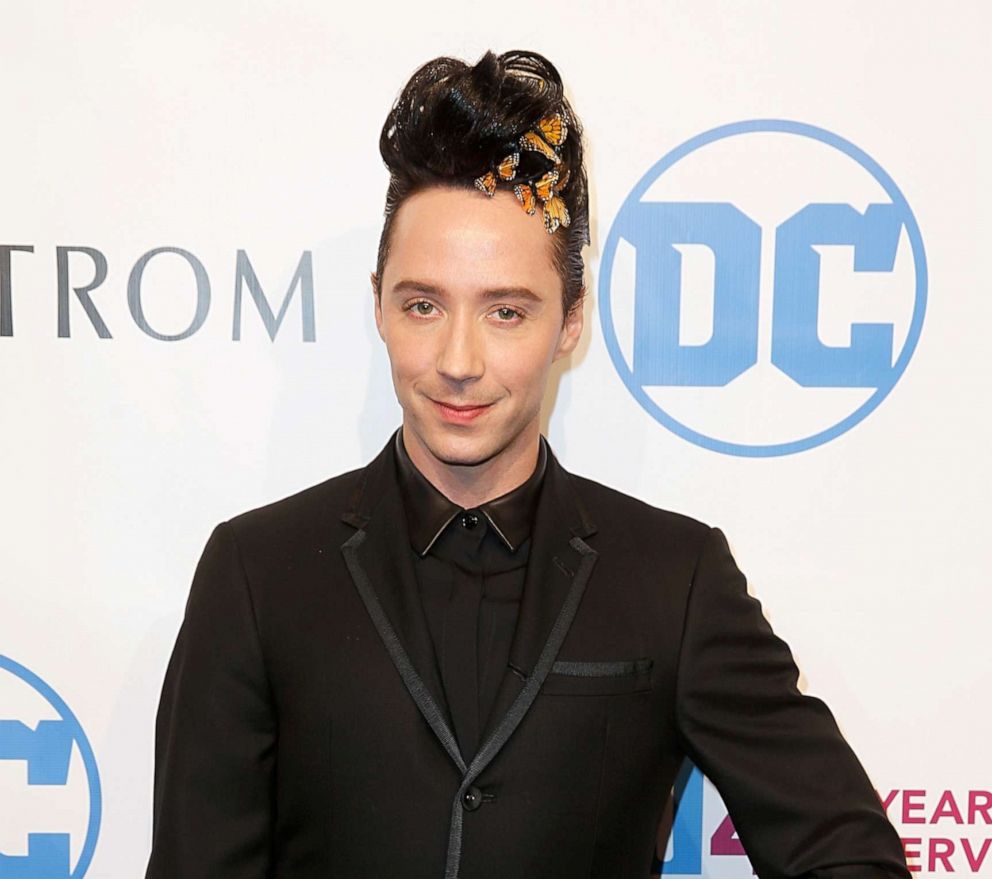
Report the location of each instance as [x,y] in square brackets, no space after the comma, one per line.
[460,670]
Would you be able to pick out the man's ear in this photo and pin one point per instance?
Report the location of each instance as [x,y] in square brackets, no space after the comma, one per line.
[378,304]
[571,329]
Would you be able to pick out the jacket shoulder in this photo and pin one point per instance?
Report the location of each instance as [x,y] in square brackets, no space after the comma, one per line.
[314,510]
[614,512]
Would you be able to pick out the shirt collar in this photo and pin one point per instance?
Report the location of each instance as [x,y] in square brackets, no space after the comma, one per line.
[428,511]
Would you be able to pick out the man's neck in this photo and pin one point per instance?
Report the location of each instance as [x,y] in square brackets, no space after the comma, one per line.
[469,485]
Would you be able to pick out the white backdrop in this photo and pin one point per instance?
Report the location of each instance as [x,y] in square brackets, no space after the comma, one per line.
[226,127]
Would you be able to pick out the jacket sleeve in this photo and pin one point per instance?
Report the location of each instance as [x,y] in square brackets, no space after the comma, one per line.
[214,733]
[799,799]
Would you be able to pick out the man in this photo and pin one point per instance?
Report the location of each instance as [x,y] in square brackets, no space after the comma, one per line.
[461,660]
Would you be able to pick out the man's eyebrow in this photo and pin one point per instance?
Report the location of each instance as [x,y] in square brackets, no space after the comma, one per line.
[525,293]
[512,293]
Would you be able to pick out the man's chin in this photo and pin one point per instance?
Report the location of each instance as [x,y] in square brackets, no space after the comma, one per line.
[467,453]
[461,451]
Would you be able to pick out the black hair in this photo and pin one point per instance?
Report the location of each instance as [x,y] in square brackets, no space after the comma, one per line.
[452,122]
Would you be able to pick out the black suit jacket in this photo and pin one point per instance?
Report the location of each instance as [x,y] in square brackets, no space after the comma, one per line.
[302,731]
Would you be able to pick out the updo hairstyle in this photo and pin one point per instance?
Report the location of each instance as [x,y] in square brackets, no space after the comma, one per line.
[453,122]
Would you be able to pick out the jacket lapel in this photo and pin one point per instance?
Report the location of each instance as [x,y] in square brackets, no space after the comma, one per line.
[379,559]
[378,556]
[554,562]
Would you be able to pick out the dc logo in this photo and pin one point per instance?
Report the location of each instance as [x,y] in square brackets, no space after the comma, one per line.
[763,288]
[50,803]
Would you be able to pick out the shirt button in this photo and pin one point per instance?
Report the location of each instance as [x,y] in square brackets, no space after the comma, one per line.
[469,520]
[472,799]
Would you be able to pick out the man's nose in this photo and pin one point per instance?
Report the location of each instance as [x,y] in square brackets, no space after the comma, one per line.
[461,354]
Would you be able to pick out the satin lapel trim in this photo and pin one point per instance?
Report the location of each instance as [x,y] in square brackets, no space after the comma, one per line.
[551,570]
[379,558]
[428,705]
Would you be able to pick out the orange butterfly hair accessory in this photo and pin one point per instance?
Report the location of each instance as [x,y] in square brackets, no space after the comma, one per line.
[545,139]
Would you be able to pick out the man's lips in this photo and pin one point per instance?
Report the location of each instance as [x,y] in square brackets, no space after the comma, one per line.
[460,413]
[462,407]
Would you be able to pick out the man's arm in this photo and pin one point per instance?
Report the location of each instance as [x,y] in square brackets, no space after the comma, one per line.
[214,733]
[799,798]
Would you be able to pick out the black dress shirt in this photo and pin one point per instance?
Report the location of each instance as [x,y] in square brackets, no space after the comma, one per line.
[470,565]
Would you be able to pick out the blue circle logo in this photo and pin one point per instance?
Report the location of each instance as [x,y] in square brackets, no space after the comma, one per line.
[762,288]
[56,754]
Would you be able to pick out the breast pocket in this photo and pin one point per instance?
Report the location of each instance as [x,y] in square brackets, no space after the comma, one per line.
[598,678]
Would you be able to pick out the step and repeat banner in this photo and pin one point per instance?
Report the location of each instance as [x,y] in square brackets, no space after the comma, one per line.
[787,336]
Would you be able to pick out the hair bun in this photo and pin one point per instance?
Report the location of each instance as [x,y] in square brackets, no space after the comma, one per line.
[451,119]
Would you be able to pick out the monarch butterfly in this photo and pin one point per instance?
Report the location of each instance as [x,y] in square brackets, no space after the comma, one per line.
[555,214]
[507,169]
[554,129]
[525,195]
[487,183]
[545,187]
[531,140]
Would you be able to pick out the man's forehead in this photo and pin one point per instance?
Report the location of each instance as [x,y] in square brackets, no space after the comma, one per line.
[464,223]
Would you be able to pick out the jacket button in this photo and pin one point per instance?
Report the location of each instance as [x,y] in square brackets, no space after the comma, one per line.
[472,799]
[470,520]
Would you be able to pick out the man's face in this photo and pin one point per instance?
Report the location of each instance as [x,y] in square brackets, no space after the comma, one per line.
[470,310]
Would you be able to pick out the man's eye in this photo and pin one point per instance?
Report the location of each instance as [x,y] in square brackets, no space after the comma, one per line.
[507,314]
[419,308]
